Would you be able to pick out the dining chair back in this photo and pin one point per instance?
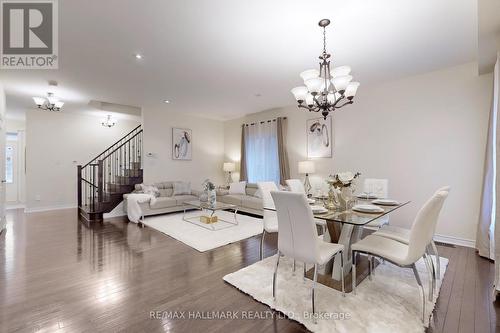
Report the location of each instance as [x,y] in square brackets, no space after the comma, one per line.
[379,187]
[423,227]
[269,217]
[297,237]
[295,185]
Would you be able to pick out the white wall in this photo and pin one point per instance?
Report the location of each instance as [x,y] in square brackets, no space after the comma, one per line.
[2,156]
[420,132]
[55,144]
[208,148]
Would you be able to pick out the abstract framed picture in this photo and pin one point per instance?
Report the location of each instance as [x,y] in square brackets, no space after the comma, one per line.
[319,137]
[182,144]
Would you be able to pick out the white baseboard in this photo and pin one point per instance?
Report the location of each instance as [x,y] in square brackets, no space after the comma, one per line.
[455,240]
[48,208]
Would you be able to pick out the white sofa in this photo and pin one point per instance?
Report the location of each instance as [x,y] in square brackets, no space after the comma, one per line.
[166,202]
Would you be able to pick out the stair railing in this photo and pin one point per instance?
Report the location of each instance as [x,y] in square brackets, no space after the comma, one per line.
[109,170]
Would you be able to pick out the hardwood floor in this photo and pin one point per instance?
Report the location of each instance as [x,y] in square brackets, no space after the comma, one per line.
[56,274]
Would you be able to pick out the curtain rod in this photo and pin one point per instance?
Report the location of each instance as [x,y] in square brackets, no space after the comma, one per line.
[264,121]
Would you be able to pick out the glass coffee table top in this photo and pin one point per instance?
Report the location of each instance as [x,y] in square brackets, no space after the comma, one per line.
[205,205]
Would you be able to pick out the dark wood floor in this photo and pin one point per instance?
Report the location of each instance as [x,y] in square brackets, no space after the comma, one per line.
[58,274]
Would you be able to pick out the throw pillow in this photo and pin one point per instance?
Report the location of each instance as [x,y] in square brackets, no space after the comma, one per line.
[182,188]
[258,194]
[237,188]
[150,189]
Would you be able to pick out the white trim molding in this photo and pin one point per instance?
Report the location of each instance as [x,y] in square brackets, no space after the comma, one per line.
[455,240]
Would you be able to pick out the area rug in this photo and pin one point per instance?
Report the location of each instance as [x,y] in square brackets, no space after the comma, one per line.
[200,238]
[391,302]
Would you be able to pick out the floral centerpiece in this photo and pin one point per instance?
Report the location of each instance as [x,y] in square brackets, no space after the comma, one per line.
[209,189]
[341,189]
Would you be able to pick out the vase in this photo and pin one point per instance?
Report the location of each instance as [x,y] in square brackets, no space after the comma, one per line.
[212,197]
[332,202]
[204,196]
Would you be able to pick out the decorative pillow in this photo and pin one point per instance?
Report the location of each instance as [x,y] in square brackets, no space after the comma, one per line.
[258,194]
[181,188]
[237,188]
[150,189]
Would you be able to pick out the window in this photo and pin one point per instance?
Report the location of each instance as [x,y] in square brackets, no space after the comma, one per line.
[261,147]
[9,165]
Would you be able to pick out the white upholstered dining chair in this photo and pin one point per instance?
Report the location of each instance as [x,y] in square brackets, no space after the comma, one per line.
[269,218]
[403,235]
[400,254]
[296,186]
[298,237]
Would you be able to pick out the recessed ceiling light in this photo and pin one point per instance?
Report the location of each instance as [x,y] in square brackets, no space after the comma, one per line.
[166,101]
[138,56]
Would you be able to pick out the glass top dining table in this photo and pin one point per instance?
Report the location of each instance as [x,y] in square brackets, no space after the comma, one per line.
[358,218]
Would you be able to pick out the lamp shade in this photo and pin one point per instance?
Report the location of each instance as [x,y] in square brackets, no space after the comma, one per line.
[229,167]
[341,71]
[306,167]
[300,93]
[314,85]
[39,100]
[351,89]
[309,74]
[341,82]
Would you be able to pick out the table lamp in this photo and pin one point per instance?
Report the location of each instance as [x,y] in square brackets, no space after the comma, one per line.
[306,167]
[229,167]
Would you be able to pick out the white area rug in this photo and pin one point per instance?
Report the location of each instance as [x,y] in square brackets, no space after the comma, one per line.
[391,302]
[200,238]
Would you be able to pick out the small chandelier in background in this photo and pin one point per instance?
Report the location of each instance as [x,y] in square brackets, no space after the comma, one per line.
[108,122]
[51,103]
[325,90]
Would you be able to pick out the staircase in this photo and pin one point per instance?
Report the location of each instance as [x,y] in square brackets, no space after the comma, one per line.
[103,181]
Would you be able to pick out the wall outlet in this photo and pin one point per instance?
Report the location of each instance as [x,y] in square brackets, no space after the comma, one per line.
[37,197]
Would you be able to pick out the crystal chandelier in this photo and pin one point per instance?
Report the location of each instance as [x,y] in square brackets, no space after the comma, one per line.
[325,90]
[108,122]
[51,103]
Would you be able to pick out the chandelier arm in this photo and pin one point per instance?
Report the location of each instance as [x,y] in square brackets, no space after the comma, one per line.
[346,103]
[337,101]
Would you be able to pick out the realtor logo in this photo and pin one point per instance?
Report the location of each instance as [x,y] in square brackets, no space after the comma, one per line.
[29,34]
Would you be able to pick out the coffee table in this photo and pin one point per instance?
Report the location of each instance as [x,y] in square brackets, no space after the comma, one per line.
[204,206]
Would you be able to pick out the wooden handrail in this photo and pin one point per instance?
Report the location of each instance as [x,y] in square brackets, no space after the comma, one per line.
[114,144]
[136,134]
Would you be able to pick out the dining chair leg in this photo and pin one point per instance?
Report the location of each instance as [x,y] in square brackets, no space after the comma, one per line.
[433,266]
[262,245]
[419,282]
[342,271]
[274,275]
[354,272]
[312,292]
[436,256]
[370,267]
[428,264]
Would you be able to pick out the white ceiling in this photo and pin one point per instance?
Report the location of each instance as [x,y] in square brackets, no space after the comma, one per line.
[212,57]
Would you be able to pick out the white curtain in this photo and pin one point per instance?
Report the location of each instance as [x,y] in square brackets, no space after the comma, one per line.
[488,231]
[261,152]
